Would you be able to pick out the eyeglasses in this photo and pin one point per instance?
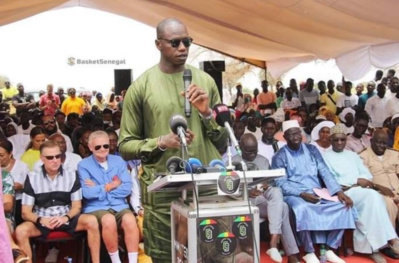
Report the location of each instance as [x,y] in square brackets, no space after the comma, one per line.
[98,147]
[51,157]
[176,42]
[48,122]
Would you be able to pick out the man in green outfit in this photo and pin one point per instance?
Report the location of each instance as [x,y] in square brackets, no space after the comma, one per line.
[145,133]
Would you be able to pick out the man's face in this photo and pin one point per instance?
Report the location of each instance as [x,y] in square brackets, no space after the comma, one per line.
[239,129]
[265,85]
[288,94]
[348,89]
[379,143]
[107,117]
[174,55]
[359,88]
[324,133]
[395,84]
[73,122]
[293,136]
[339,87]
[100,147]
[7,83]
[113,142]
[249,149]
[370,87]
[60,91]
[60,118]
[338,142]
[49,124]
[61,143]
[330,85]
[360,127]
[381,90]
[20,89]
[72,93]
[99,97]
[309,85]
[50,89]
[51,158]
[268,130]
[349,119]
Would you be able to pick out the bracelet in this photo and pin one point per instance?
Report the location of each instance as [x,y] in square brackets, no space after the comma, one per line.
[158,143]
[69,218]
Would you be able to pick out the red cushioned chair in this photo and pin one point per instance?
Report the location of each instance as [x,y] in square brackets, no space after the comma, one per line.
[60,236]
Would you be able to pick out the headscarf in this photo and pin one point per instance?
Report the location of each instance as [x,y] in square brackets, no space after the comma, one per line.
[315,132]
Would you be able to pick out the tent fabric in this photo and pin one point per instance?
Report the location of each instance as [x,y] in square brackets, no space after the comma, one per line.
[282,33]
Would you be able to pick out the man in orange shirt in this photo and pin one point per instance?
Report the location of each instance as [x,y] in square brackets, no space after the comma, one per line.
[266,99]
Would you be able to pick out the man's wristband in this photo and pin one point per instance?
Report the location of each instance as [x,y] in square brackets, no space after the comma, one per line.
[159,144]
[38,220]
[69,218]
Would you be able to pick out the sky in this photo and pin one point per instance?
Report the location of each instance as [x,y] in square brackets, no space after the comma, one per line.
[39,48]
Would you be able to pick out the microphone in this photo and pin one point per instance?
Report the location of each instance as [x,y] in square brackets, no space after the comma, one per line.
[187,81]
[174,164]
[218,164]
[221,114]
[195,166]
[178,124]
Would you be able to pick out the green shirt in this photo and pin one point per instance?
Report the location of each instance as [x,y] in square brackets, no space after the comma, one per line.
[8,183]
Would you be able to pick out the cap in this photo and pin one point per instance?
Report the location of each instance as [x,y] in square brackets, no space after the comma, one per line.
[290,124]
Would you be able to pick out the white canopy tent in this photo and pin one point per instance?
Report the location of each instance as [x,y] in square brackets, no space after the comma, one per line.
[278,34]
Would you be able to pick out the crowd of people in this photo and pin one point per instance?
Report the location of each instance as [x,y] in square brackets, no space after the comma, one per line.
[62,166]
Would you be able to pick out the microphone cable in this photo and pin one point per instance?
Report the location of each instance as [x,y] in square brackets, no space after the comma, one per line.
[250,212]
[197,207]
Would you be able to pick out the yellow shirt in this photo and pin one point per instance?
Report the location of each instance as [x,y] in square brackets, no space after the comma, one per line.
[9,93]
[73,105]
[30,157]
[324,99]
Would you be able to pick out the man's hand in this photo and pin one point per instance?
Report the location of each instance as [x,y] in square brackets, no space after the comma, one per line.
[345,199]
[89,183]
[365,183]
[58,221]
[171,140]
[18,186]
[311,198]
[46,222]
[254,193]
[384,190]
[198,99]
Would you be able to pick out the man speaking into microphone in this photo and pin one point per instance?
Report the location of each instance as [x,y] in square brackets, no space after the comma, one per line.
[145,132]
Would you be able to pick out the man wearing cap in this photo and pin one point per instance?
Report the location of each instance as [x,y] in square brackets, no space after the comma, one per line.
[358,140]
[270,202]
[268,145]
[383,164]
[73,104]
[373,230]
[317,221]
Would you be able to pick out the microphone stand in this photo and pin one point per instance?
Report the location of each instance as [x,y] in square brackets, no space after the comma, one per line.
[230,166]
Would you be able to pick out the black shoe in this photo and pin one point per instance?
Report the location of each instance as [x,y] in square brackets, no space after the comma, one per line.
[389,253]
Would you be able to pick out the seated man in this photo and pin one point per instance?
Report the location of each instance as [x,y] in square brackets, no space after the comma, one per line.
[44,211]
[270,202]
[106,184]
[316,222]
[358,140]
[268,145]
[373,228]
[383,164]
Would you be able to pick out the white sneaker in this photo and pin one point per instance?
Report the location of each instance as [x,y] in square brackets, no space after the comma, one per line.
[311,258]
[275,255]
[331,257]
[52,255]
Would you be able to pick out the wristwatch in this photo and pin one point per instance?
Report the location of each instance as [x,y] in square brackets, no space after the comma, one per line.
[38,220]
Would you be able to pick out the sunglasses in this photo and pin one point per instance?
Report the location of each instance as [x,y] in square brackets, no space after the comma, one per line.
[51,157]
[48,122]
[98,147]
[176,42]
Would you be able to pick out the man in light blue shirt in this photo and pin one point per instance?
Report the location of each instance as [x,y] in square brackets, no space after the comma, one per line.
[106,183]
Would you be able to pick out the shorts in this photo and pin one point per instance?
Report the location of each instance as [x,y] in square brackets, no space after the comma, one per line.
[118,215]
[68,227]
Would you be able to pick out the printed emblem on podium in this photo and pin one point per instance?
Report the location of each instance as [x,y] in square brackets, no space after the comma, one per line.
[226,243]
[242,227]
[209,229]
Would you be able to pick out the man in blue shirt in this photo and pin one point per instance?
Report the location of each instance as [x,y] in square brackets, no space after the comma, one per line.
[106,183]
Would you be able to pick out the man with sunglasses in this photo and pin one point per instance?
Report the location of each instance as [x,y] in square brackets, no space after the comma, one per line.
[145,132]
[106,184]
[374,229]
[73,103]
[52,201]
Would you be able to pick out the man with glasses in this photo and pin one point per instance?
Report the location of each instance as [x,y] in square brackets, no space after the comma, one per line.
[44,211]
[49,102]
[145,132]
[358,140]
[106,184]
[373,230]
[317,221]
[269,199]
[73,104]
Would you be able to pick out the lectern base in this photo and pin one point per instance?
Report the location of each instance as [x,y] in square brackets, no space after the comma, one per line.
[217,235]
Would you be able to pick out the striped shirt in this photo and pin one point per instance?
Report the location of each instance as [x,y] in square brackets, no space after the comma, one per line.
[51,197]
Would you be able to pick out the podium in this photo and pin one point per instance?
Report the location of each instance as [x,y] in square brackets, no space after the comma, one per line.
[213,228]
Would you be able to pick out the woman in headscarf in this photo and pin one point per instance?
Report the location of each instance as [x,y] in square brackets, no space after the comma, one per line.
[347,117]
[321,136]
[11,129]
[330,116]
